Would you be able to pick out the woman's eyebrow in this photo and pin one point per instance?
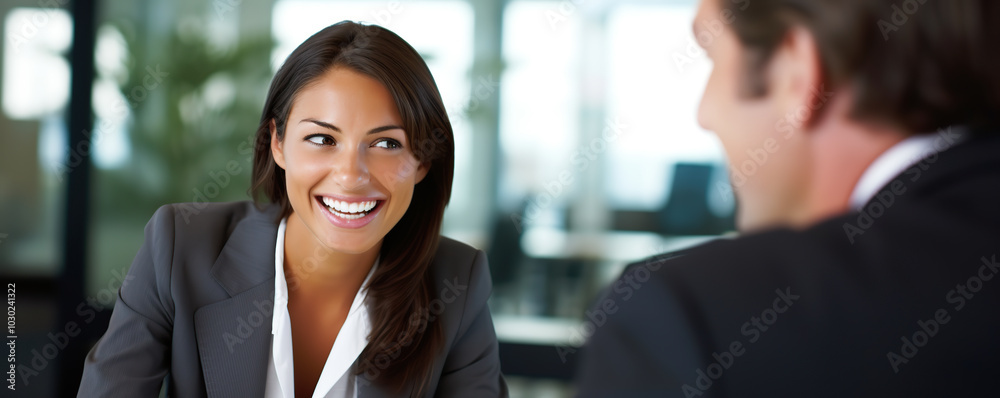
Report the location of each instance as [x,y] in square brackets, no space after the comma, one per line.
[337,129]
[384,128]
[321,124]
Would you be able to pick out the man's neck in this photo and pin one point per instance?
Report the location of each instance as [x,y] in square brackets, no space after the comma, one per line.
[842,151]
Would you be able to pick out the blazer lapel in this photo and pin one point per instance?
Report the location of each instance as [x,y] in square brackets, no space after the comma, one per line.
[234,340]
[234,335]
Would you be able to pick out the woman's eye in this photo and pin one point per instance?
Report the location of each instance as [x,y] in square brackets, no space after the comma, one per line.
[388,143]
[320,139]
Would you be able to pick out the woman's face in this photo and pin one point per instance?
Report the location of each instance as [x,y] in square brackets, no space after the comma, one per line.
[349,170]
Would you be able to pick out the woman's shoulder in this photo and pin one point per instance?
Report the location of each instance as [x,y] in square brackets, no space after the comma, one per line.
[213,218]
[185,241]
[461,275]
[200,215]
[451,251]
[197,227]
[457,259]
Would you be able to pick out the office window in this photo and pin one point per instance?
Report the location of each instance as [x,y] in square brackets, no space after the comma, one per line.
[35,91]
[654,88]
[540,105]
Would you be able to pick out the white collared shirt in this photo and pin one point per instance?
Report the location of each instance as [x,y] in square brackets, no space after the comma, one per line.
[337,379]
[897,159]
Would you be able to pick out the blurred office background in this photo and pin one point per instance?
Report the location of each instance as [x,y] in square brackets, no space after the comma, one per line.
[577,149]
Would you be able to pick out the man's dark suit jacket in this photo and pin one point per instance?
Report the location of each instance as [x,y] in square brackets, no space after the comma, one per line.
[196,308]
[897,300]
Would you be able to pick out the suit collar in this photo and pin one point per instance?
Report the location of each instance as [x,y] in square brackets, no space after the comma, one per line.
[898,159]
[234,335]
[247,259]
[974,154]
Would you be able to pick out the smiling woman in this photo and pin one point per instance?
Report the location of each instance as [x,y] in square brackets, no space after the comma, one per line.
[355,154]
[342,154]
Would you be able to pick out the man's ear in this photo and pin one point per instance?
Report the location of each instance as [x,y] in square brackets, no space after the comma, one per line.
[795,76]
[277,147]
[422,171]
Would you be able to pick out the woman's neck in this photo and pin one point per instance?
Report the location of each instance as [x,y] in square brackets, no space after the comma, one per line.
[311,269]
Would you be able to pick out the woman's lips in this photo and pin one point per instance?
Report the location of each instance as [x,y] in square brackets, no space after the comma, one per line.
[349,213]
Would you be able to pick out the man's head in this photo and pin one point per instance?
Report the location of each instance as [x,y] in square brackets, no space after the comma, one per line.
[805,94]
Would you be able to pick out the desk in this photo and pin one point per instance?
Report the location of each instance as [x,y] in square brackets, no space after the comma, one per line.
[611,246]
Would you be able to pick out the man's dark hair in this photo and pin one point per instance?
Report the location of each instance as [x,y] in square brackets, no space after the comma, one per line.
[917,65]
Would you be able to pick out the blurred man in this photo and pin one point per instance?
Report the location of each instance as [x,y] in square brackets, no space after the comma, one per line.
[866,138]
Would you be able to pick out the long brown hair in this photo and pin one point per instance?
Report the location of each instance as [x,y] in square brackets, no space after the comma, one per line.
[403,342]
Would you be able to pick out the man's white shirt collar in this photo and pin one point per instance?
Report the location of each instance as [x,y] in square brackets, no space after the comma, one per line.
[336,379]
[897,159]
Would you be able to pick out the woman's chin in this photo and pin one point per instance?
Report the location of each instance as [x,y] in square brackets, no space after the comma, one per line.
[346,245]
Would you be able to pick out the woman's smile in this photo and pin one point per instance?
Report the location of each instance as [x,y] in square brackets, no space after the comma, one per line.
[348,212]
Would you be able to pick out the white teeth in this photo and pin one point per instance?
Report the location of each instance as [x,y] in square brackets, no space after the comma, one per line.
[349,216]
[349,210]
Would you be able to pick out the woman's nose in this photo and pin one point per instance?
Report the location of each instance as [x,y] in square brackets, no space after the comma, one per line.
[350,170]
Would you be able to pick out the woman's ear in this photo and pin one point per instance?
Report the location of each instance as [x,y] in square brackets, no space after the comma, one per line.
[422,171]
[277,147]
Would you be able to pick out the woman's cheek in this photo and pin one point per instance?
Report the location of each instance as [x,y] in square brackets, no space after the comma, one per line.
[407,169]
[397,169]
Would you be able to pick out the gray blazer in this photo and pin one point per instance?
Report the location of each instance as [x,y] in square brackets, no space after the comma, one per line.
[195,310]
